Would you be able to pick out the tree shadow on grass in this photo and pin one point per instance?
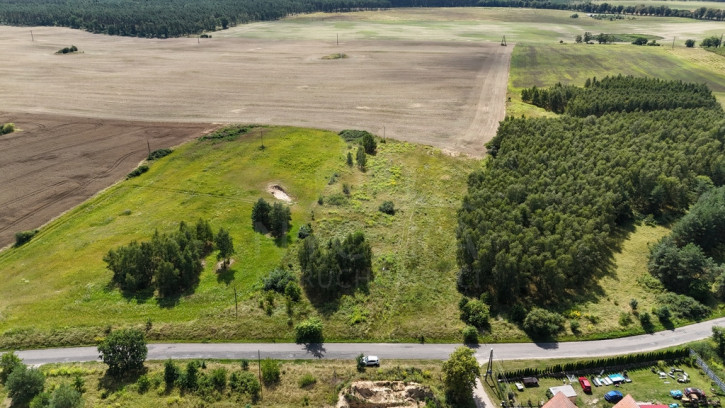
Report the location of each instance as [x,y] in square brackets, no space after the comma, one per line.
[167,302]
[110,384]
[225,275]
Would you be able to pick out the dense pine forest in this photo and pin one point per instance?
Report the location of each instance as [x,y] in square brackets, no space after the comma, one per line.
[540,222]
[174,18]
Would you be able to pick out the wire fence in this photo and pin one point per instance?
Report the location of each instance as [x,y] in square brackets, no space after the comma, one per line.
[700,363]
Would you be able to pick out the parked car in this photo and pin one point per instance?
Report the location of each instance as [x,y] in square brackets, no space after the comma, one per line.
[585,385]
[613,396]
[677,394]
[371,361]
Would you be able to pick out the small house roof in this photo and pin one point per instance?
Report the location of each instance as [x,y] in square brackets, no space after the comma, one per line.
[559,401]
[626,402]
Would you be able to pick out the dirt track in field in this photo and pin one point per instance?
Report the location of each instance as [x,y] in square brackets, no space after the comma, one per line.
[447,94]
[57,162]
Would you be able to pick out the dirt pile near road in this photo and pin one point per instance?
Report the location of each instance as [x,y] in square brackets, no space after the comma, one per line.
[383,394]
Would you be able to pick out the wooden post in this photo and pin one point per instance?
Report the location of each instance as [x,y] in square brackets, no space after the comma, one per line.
[338,39]
[148,145]
[259,368]
[31,36]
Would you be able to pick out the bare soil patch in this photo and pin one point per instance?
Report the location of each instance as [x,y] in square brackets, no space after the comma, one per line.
[279,193]
[391,394]
[449,94]
[56,162]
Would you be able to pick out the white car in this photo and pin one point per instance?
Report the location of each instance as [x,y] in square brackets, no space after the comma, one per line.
[371,361]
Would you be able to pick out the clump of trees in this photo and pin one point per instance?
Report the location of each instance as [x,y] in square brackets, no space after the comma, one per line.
[169,263]
[25,386]
[556,189]
[689,259]
[620,94]
[331,268]
[67,50]
[710,42]
[274,218]
[217,382]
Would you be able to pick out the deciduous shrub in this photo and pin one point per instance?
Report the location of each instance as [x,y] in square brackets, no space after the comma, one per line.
[7,128]
[138,171]
[23,237]
[159,153]
[387,207]
[543,323]
[470,335]
[66,396]
[271,372]
[24,384]
[8,362]
[293,291]
[309,331]
[124,351]
[307,380]
[475,313]
[278,279]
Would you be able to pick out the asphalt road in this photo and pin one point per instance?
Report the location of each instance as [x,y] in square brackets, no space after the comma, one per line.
[289,351]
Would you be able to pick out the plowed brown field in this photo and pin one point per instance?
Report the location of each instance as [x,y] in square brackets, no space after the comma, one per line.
[57,162]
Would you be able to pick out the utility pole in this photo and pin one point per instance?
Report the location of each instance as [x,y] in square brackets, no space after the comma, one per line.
[673,43]
[32,39]
[261,138]
[259,368]
[489,367]
[148,145]
[338,39]
[236,305]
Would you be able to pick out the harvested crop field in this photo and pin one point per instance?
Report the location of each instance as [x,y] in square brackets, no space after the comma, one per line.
[54,163]
[448,94]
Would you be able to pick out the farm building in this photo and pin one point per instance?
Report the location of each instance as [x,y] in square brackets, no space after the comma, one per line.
[559,401]
[567,390]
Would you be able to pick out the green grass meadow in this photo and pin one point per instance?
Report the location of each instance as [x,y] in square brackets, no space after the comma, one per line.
[57,287]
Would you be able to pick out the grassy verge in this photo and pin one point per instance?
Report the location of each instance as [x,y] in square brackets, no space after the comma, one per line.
[329,375]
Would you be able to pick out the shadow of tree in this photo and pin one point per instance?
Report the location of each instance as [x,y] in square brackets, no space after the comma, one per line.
[225,275]
[316,349]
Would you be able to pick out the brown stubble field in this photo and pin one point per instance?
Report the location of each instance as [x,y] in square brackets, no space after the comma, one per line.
[446,94]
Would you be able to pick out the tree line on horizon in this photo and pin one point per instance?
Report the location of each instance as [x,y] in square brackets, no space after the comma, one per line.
[176,18]
[542,219]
